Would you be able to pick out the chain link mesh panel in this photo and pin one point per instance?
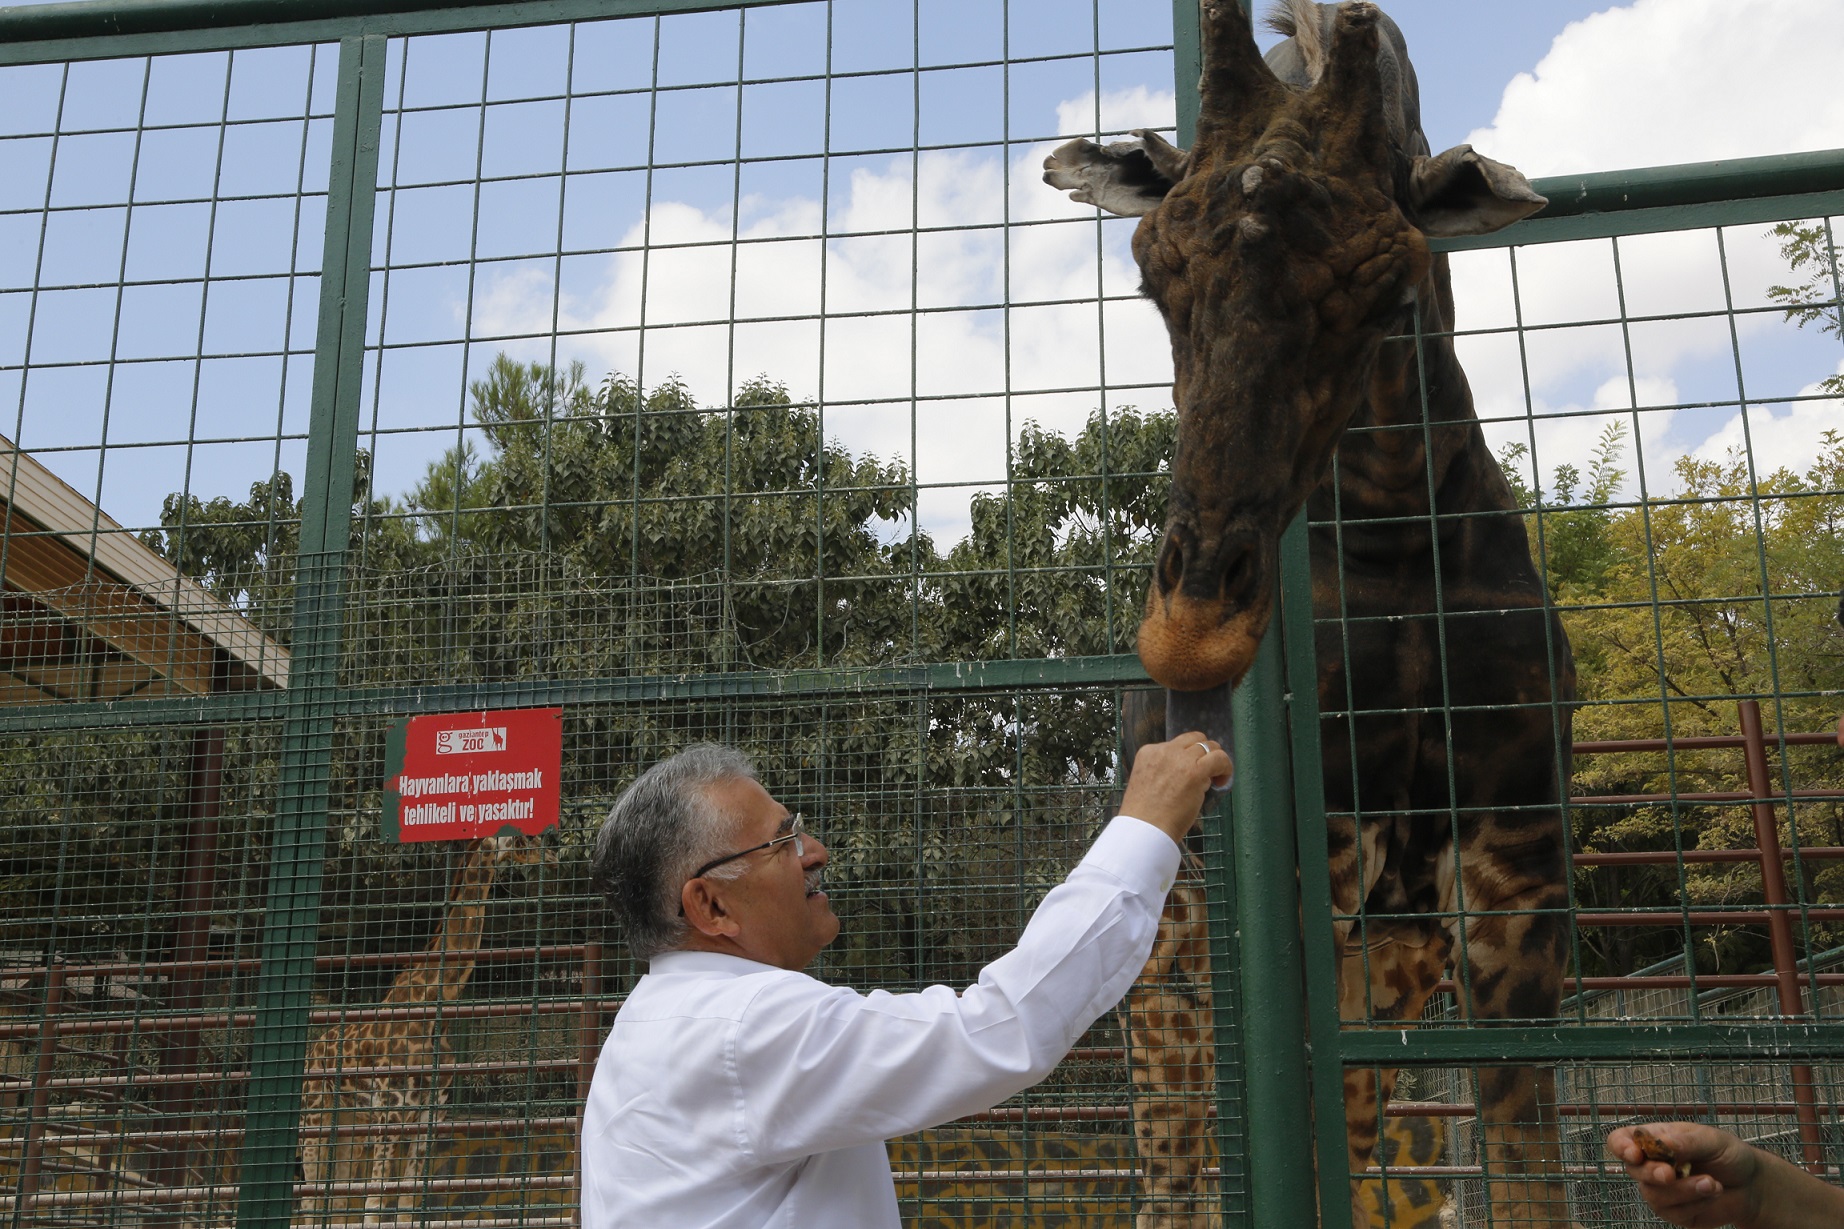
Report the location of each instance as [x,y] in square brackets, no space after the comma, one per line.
[730,375]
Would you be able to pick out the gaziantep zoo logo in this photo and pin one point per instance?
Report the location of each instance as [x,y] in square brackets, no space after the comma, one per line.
[470,742]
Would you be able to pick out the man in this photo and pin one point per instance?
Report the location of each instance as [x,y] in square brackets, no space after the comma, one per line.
[1729,1183]
[735,1091]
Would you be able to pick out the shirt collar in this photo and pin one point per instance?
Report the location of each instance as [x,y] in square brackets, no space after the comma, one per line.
[707,962]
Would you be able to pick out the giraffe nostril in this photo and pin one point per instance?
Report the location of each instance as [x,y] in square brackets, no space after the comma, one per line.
[1238,579]
[1171,564]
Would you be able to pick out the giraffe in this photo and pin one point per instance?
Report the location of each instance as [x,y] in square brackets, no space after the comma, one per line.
[1169,1021]
[409,1098]
[1287,252]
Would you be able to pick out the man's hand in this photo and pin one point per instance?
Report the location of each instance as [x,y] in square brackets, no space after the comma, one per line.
[1166,787]
[1730,1182]
[1722,1187]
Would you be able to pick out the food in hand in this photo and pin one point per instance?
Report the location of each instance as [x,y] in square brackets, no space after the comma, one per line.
[1657,1149]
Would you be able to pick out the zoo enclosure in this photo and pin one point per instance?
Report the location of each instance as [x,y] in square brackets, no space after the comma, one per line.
[250,799]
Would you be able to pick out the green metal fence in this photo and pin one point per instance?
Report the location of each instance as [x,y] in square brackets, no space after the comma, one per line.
[860,470]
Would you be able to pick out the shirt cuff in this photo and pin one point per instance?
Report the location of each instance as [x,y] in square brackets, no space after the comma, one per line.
[1141,856]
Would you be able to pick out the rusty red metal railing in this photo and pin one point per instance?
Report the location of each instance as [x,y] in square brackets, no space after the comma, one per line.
[1779,905]
[1780,925]
[179,1048]
[34,1142]
[170,1139]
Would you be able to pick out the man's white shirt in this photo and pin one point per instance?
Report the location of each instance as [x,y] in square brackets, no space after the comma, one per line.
[735,1095]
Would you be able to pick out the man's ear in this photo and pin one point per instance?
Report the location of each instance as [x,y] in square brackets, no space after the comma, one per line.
[705,910]
[1462,192]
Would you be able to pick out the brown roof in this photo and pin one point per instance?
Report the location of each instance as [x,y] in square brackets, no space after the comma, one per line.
[89,612]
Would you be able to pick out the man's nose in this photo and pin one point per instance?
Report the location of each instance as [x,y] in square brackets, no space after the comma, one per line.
[816,853]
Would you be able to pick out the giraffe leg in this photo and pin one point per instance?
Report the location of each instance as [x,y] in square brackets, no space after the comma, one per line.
[1173,1142]
[415,1151]
[1388,968]
[314,1160]
[418,1143]
[1171,1042]
[319,1108]
[1389,977]
[331,1159]
[384,1165]
[1515,934]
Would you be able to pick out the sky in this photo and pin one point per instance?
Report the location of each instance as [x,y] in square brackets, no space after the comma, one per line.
[512,221]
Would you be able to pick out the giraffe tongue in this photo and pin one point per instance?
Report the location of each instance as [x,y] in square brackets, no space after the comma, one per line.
[1207,711]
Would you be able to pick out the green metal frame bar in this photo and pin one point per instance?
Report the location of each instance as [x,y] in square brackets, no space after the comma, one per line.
[1319,938]
[1733,192]
[1268,933]
[95,29]
[297,848]
[1748,1042]
[1188,65]
[1294,1051]
[942,678]
[1228,993]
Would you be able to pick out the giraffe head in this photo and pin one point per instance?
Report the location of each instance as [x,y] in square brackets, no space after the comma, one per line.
[1282,249]
[510,847]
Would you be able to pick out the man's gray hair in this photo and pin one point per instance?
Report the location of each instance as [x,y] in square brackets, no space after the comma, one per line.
[662,828]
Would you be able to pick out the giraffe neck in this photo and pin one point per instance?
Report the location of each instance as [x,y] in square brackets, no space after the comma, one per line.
[441,974]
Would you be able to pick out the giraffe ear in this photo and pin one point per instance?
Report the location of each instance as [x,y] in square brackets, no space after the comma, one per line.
[1462,192]
[1128,178]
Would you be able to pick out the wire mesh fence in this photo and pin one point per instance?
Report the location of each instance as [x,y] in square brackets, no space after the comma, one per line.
[730,375]
[1697,589]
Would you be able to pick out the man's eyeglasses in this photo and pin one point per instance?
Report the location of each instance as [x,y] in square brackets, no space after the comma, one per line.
[796,827]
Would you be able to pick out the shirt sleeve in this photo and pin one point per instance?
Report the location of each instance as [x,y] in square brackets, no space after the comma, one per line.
[820,1067]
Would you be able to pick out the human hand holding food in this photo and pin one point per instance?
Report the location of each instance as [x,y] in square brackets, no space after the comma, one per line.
[1167,785]
[1701,1177]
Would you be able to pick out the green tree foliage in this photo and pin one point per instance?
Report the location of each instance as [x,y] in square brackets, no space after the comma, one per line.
[1811,251]
[606,531]
[586,530]
[246,552]
[243,552]
[1572,536]
[1677,609]
[610,482]
[94,828]
[1053,568]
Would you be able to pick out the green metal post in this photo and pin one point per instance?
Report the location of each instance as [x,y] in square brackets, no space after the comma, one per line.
[297,849]
[1187,65]
[1321,950]
[1268,900]
[1226,982]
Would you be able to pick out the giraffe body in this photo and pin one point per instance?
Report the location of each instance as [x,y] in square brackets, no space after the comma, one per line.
[400,1106]
[1287,252]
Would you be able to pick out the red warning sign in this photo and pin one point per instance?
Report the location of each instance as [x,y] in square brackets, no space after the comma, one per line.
[453,776]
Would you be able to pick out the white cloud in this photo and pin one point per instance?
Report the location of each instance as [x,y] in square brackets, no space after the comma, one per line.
[1783,436]
[1570,433]
[1655,82]
[1117,111]
[951,364]
[1658,82]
